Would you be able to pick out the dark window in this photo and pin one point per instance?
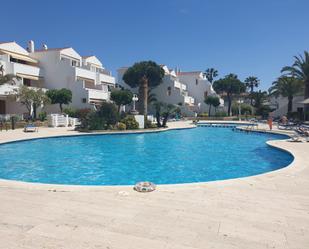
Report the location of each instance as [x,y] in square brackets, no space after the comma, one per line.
[169,91]
[26,82]
[196,81]
[2,107]
[84,100]
[205,94]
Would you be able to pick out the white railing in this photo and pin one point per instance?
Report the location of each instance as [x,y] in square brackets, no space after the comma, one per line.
[189,100]
[58,120]
[85,73]
[97,94]
[107,78]
[26,69]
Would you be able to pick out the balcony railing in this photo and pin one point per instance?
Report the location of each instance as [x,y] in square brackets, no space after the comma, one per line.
[97,94]
[19,68]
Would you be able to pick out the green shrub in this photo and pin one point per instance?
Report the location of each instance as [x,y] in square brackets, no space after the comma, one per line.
[96,122]
[82,113]
[263,111]
[245,109]
[71,112]
[221,114]
[130,122]
[150,125]
[42,116]
[203,115]
[105,118]
[109,112]
[121,126]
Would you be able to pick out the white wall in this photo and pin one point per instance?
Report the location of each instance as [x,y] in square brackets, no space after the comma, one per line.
[281,103]
[197,85]
[161,91]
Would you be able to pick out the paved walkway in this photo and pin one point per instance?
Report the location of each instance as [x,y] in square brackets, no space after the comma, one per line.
[266,211]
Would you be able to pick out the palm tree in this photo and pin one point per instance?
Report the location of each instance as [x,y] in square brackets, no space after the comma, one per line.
[252,82]
[287,86]
[259,98]
[143,75]
[300,70]
[210,74]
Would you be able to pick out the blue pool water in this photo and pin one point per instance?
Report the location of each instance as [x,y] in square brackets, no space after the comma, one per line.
[178,156]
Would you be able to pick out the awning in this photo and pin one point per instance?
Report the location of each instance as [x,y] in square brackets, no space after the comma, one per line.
[96,101]
[86,79]
[30,77]
[20,56]
[306,101]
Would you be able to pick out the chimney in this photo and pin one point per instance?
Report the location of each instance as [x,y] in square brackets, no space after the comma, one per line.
[44,46]
[30,46]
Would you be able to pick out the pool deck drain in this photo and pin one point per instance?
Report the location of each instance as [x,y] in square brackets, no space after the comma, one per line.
[265,211]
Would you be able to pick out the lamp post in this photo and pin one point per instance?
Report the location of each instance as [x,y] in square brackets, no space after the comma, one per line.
[134,99]
[239,108]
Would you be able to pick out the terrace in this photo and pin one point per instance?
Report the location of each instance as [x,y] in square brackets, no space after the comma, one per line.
[263,211]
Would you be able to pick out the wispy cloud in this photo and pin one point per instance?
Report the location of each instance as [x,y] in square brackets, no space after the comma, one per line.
[183,11]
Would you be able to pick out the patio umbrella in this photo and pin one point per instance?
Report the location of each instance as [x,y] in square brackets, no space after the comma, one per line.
[306,101]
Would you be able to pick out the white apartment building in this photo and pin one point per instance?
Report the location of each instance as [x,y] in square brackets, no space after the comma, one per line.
[170,91]
[280,105]
[55,68]
[16,60]
[198,87]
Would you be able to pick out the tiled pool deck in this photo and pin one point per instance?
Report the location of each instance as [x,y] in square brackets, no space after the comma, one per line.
[265,211]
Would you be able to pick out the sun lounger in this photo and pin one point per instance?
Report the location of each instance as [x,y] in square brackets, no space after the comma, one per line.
[31,128]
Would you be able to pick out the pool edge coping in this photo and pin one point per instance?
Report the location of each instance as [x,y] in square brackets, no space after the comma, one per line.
[62,187]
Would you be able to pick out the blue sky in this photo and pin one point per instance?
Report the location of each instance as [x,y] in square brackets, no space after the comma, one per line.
[246,37]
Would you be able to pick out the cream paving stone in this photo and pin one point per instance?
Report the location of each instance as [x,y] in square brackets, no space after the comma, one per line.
[270,210]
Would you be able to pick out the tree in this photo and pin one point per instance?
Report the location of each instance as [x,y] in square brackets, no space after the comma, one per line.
[252,82]
[210,74]
[258,98]
[164,110]
[151,97]
[300,70]
[104,118]
[212,101]
[32,99]
[7,78]
[108,112]
[143,75]
[287,87]
[60,96]
[121,97]
[229,85]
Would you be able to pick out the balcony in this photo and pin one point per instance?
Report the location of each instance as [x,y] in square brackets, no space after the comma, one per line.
[85,74]
[179,85]
[94,94]
[23,69]
[97,77]
[106,78]
[189,100]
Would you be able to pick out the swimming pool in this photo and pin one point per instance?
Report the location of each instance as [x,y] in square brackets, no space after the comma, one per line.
[177,156]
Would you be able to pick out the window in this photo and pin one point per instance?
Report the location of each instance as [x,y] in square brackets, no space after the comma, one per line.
[12,59]
[169,91]
[74,63]
[196,81]
[26,82]
[205,94]
[84,100]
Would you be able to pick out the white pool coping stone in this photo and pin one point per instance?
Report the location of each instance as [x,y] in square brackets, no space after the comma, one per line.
[270,210]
